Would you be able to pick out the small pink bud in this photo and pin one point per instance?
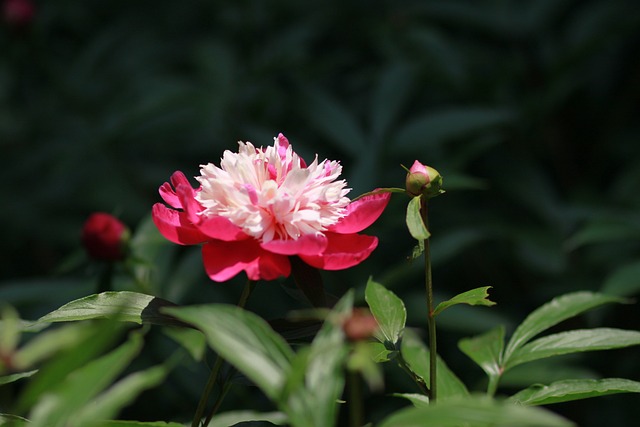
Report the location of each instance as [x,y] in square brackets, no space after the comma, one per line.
[18,13]
[105,237]
[360,326]
[423,179]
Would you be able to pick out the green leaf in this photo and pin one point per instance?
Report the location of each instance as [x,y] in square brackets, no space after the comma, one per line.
[6,379]
[13,420]
[476,296]
[474,411]
[416,226]
[552,313]
[120,423]
[10,329]
[575,341]
[388,310]
[95,338]
[567,390]
[316,381]
[232,418]
[192,340]
[124,306]
[486,351]
[48,343]
[66,399]
[418,400]
[243,339]
[118,396]
[416,354]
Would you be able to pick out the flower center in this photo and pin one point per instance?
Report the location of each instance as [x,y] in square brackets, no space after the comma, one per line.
[271,193]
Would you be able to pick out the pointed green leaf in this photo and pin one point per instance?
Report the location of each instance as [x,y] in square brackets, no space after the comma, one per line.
[235,417]
[66,399]
[575,341]
[418,400]
[244,340]
[554,312]
[6,379]
[10,329]
[388,310]
[124,306]
[486,350]
[567,390]
[416,354]
[192,340]
[13,420]
[121,394]
[478,296]
[416,226]
[119,423]
[316,379]
[95,338]
[474,411]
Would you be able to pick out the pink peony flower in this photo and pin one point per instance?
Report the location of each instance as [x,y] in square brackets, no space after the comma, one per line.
[262,206]
[104,237]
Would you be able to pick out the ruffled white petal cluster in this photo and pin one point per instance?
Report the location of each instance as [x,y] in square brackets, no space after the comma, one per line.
[271,193]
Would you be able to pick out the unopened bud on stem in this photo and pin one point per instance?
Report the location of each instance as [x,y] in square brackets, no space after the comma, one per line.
[423,179]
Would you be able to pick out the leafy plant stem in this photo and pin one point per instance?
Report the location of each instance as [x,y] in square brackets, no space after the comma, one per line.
[246,292]
[225,389]
[431,321]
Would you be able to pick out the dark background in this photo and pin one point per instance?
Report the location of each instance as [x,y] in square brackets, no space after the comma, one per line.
[528,109]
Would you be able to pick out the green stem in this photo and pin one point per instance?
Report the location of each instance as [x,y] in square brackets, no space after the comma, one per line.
[356,411]
[106,277]
[246,291]
[493,384]
[431,321]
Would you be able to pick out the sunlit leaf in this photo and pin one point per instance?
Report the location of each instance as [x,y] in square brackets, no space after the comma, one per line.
[486,350]
[478,296]
[414,221]
[552,313]
[474,411]
[118,396]
[417,355]
[232,418]
[388,310]
[243,339]
[6,379]
[567,390]
[418,400]
[123,305]
[575,341]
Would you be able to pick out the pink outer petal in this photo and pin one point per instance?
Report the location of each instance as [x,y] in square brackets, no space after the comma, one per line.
[361,213]
[215,227]
[343,251]
[168,194]
[310,244]
[175,226]
[224,260]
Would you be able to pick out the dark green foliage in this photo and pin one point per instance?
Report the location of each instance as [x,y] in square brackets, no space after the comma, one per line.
[528,109]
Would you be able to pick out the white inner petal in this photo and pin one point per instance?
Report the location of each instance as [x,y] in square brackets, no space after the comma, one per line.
[270,195]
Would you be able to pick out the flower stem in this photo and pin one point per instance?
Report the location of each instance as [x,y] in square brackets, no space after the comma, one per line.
[246,292]
[356,418]
[431,321]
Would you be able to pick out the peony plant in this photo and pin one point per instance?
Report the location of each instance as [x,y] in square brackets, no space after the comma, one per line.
[267,214]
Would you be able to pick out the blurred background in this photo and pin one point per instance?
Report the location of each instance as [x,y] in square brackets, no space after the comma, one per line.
[528,108]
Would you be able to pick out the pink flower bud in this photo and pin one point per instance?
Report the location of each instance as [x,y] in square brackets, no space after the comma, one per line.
[423,179]
[104,237]
[360,326]
[18,13]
